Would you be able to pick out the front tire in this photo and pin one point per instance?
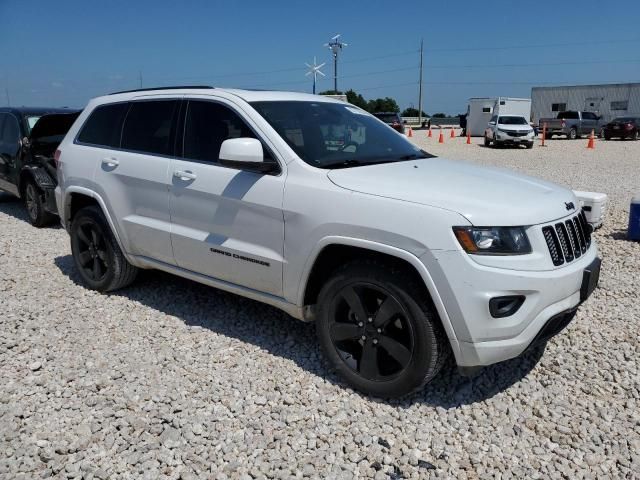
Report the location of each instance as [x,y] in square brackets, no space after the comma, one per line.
[97,256]
[529,145]
[573,134]
[38,216]
[377,330]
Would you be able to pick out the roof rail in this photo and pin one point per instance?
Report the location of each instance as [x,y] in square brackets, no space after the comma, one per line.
[162,88]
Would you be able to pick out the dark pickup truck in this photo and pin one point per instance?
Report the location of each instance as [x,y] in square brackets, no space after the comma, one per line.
[29,138]
[572,124]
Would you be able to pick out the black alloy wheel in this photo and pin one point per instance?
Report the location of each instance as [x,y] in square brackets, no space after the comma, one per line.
[371,332]
[93,254]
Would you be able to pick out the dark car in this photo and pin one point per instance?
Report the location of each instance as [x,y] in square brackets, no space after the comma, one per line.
[622,127]
[29,138]
[394,120]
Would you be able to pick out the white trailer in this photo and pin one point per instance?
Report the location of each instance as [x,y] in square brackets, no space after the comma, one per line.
[480,111]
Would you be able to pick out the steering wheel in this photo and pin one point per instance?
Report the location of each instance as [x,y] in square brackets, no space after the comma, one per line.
[349,144]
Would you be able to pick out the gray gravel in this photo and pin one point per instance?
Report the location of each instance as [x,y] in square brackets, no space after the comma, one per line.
[171,379]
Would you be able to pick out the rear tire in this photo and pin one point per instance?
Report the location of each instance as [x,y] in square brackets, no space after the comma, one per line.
[635,135]
[377,330]
[96,254]
[32,195]
[573,134]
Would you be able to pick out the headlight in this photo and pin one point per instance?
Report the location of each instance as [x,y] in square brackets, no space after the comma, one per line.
[493,240]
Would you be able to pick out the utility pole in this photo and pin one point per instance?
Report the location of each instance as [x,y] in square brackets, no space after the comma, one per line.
[420,87]
[335,45]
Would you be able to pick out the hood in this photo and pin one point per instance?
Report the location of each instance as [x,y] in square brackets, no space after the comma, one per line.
[514,128]
[49,131]
[486,196]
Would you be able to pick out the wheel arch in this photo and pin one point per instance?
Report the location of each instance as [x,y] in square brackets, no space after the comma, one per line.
[334,251]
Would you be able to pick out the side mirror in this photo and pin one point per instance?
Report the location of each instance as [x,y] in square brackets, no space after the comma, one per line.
[492,123]
[246,154]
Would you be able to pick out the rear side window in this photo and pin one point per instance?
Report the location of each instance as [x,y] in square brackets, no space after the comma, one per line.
[208,124]
[10,133]
[104,125]
[589,116]
[148,127]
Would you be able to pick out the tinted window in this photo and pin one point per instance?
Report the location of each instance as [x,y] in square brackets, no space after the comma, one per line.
[10,131]
[208,124]
[589,116]
[104,125]
[147,127]
[558,107]
[568,115]
[387,118]
[512,121]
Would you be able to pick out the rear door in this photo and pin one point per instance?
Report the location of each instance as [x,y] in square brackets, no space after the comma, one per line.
[9,151]
[589,122]
[227,223]
[133,178]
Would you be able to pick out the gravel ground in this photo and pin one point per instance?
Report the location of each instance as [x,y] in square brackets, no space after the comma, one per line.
[171,379]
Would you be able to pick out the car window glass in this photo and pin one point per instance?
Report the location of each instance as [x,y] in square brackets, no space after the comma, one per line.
[104,125]
[10,132]
[147,127]
[2,115]
[588,116]
[207,125]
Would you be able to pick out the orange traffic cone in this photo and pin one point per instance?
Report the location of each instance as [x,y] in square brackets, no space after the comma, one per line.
[410,134]
[453,133]
[441,137]
[592,142]
[430,134]
[468,139]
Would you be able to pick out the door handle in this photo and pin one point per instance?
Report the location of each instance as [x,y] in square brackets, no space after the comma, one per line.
[110,162]
[184,175]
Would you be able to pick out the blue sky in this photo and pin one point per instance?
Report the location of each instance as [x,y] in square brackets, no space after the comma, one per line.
[67,51]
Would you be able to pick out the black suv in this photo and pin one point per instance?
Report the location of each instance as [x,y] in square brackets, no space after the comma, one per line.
[393,119]
[28,139]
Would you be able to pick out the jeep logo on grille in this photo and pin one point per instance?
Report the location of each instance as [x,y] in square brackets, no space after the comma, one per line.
[569,205]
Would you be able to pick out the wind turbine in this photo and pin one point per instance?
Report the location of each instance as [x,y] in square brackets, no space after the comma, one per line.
[314,70]
[335,45]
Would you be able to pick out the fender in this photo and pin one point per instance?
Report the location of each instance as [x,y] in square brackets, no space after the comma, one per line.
[66,205]
[389,250]
[39,175]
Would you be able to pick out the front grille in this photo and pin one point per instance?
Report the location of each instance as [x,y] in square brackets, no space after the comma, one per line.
[517,133]
[568,240]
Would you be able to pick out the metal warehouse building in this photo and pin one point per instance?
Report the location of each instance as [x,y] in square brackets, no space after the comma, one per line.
[610,100]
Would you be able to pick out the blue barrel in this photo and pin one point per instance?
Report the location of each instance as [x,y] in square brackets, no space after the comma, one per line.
[634,219]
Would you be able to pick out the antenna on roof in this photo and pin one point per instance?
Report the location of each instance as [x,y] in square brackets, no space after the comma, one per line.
[314,70]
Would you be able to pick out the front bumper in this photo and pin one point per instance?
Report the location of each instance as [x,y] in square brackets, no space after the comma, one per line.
[466,287]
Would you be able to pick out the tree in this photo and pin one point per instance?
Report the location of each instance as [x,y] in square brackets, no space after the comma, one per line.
[412,112]
[439,115]
[386,104]
[331,92]
[356,99]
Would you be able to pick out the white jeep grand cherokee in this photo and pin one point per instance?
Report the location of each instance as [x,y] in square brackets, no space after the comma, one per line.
[318,208]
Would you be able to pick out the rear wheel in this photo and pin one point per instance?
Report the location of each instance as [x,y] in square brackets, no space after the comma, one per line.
[573,134]
[96,253]
[635,135]
[38,216]
[601,134]
[377,330]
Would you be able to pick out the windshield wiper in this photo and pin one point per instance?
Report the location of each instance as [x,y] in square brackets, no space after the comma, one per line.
[343,164]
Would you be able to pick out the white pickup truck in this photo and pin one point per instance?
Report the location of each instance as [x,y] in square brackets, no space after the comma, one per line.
[400,258]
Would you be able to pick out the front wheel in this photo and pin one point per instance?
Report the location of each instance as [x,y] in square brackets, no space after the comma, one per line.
[529,145]
[38,216]
[96,253]
[573,134]
[377,330]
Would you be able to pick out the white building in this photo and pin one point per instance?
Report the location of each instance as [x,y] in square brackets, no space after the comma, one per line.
[610,100]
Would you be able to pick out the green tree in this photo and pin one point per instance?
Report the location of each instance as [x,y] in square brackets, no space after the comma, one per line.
[439,115]
[386,104]
[331,92]
[356,99]
[412,112]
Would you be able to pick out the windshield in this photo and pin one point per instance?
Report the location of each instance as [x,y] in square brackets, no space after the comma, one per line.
[31,121]
[512,121]
[333,135]
[387,117]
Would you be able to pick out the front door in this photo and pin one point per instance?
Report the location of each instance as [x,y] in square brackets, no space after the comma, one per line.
[226,223]
[9,151]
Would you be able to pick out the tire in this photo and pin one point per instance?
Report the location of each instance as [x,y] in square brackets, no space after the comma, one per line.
[530,145]
[386,355]
[32,196]
[96,254]
[487,142]
[635,135]
[601,134]
[607,137]
[548,136]
[573,134]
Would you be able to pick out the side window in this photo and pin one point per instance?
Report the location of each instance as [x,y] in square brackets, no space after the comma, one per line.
[558,107]
[147,127]
[588,116]
[486,109]
[207,125]
[2,116]
[10,132]
[104,125]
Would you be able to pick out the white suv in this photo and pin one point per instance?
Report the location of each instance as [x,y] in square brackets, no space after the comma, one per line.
[508,130]
[316,207]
